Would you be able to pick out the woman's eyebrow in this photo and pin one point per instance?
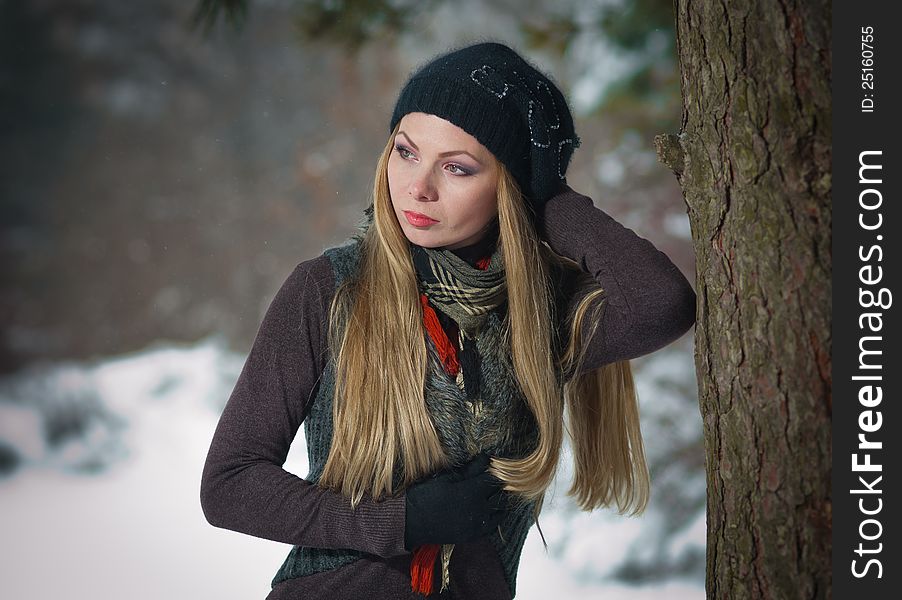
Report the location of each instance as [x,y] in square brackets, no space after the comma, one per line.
[409,141]
[453,152]
[443,154]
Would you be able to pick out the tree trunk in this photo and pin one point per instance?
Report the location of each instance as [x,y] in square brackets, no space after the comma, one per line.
[753,158]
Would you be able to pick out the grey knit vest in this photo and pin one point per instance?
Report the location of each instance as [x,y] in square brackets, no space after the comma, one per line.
[506,428]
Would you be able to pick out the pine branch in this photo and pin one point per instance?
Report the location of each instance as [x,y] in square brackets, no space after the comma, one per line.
[207,13]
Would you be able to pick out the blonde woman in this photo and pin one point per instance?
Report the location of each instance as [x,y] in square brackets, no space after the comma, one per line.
[430,359]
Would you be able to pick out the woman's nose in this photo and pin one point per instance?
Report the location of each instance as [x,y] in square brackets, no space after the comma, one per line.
[421,186]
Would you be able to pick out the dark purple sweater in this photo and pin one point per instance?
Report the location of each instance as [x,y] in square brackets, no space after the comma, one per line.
[245,488]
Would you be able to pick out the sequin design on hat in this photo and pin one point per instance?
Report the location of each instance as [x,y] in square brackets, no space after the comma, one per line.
[540,104]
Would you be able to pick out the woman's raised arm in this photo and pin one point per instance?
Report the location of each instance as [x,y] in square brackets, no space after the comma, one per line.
[650,303]
[243,486]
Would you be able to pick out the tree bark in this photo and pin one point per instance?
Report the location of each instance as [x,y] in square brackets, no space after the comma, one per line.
[753,158]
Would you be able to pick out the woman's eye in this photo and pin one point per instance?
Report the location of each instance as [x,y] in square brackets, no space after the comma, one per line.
[403,152]
[458,170]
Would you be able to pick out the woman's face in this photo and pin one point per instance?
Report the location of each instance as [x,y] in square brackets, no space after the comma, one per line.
[443,183]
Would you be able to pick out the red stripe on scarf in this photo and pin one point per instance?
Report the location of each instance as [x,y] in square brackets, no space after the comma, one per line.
[422,568]
[446,349]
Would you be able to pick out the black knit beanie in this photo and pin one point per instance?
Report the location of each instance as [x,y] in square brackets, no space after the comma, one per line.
[515,111]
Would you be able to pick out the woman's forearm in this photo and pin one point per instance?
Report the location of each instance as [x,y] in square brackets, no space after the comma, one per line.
[243,485]
[649,302]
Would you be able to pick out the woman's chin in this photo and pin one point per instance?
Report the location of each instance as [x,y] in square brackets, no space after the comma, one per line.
[426,244]
[422,238]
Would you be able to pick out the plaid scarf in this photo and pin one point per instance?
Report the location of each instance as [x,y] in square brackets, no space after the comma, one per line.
[467,295]
[464,293]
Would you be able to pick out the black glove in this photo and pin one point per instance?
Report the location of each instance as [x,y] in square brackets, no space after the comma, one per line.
[454,506]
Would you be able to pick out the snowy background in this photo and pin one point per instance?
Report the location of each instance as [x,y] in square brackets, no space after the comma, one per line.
[157,189]
[101,468]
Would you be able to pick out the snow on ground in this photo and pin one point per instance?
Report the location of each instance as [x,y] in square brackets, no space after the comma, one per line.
[99,491]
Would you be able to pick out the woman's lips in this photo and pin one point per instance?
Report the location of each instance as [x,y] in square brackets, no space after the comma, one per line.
[418,220]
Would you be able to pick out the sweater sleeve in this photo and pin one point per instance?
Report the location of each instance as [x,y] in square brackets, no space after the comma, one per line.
[243,485]
[649,303]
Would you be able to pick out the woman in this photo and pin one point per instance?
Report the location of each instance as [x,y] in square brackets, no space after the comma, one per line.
[431,358]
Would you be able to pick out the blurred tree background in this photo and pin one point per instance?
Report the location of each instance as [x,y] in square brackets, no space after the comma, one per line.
[165,164]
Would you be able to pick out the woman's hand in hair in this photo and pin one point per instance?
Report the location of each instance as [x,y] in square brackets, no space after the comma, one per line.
[454,506]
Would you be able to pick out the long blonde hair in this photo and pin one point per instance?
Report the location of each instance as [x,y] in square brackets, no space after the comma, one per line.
[376,335]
